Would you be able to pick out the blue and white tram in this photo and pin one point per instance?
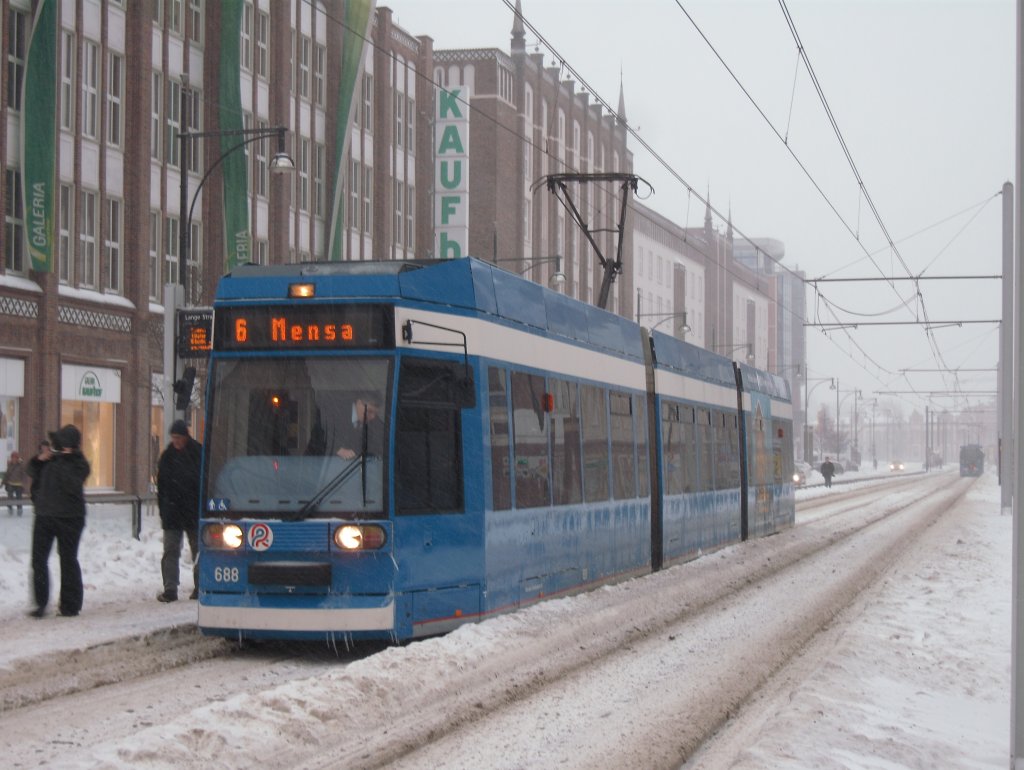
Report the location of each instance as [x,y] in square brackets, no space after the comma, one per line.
[396,448]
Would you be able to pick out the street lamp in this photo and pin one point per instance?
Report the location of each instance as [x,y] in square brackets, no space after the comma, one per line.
[685,328]
[730,348]
[807,397]
[281,163]
[179,390]
[556,279]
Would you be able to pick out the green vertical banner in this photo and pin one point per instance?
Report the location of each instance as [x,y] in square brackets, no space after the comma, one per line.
[355,37]
[237,238]
[38,136]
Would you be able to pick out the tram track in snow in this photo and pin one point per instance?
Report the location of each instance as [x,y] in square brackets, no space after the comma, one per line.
[559,674]
[476,693]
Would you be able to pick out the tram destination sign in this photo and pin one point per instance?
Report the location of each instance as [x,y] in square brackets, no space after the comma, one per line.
[304,327]
[195,332]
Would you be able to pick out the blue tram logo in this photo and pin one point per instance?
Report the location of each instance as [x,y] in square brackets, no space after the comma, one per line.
[260,537]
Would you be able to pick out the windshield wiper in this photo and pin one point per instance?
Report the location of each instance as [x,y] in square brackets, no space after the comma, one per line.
[342,476]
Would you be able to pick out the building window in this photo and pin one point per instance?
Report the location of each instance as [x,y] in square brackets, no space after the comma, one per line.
[260,250]
[245,51]
[158,11]
[175,20]
[305,54]
[262,44]
[154,255]
[399,106]
[410,220]
[90,88]
[115,80]
[67,81]
[87,237]
[367,199]
[354,179]
[319,70]
[171,252]
[14,223]
[398,226]
[368,103]
[260,169]
[112,246]
[195,123]
[65,215]
[195,11]
[16,25]
[155,113]
[319,155]
[173,150]
[410,133]
[302,193]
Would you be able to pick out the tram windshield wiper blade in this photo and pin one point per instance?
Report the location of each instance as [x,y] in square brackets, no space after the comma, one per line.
[314,502]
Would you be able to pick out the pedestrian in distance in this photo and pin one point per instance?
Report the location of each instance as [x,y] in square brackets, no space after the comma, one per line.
[177,491]
[60,515]
[14,479]
[828,470]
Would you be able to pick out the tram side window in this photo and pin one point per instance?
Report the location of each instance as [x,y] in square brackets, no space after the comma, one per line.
[673,450]
[760,450]
[501,480]
[595,443]
[530,441]
[688,419]
[428,436]
[566,461]
[623,447]
[705,449]
[727,463]
[643,473]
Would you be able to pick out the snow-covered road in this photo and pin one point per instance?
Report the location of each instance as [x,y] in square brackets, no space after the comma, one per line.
[632,675]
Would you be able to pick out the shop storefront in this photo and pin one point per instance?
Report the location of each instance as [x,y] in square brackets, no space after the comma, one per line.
[12,390]
[90,396]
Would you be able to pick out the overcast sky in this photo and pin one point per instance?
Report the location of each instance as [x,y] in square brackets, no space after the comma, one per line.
[922,92]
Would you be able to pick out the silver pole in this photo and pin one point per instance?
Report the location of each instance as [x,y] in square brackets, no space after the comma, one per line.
[1017,631]
[1007,445]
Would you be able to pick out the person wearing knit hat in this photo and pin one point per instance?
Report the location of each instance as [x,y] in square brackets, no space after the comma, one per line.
[60,515]
[177,491]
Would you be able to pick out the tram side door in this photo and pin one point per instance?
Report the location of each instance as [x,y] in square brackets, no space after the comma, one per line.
[438,545]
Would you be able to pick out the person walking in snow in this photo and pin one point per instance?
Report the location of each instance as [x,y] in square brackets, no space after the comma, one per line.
[60,515]
[177,491]
[828,470]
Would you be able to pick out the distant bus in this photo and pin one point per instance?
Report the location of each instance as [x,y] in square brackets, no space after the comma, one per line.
[972,460]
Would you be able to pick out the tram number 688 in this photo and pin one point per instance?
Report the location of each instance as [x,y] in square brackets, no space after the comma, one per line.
[225,574]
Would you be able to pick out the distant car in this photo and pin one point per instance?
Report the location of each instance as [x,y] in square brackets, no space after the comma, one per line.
[896,465]
[800,473]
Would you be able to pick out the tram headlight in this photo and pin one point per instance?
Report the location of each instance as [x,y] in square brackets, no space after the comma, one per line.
[227,536]
[359,537]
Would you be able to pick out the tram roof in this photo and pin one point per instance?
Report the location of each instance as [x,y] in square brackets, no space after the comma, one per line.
[477,286]
[469,284]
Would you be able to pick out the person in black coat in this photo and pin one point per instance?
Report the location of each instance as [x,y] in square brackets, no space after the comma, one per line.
[828,470]
[36,465]
[177,490]
[60,515]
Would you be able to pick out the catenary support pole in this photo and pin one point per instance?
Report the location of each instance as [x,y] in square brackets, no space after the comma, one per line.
[1017,631]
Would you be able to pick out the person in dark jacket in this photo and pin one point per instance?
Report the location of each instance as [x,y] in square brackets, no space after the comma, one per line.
[36,465]
[177,490]
[60,515]
[828,470]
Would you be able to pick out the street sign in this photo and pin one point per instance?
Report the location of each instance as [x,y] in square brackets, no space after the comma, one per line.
[195,332]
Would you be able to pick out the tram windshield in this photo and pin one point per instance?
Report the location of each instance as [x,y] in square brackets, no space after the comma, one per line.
[297,437]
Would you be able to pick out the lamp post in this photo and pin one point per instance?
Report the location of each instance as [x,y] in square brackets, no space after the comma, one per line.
[668,317]
[731,348]
[555,280]
[809,458]
[280,163]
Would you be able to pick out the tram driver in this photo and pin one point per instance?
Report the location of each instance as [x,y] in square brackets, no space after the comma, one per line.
[341,430]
